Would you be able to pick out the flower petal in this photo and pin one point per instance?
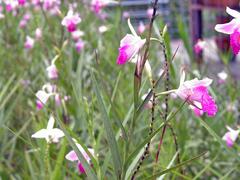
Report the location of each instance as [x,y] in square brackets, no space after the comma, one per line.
[227,28]
[233,12]
[71,156]
[43,133]
[50,123]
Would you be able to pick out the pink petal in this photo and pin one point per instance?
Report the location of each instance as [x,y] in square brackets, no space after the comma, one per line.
[227,28]
[71,156]
[81,168]
[235,42]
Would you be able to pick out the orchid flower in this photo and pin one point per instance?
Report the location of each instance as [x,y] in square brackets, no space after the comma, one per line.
[231,136]
[11,5]
[52,71]
[72,156]
[38,34]
[44,94]
[198,47]
[29,43]
[76,35]
[79,45]
[195,92]
[141,27]
[52,135]
[232,28]
[130,46]
[71,21]
[98,5]
[102,29]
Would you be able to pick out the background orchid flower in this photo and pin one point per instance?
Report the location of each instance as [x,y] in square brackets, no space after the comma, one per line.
[72,156]
[52,135]
[141,27]
[38,34]
[231,136]
[130,45]
[79,45]
[29,43]
[44,94]
[222,76]
[76,35]
[232,28]
[71,21]
[195,92]
[98,5]
[198,47]
[52,71]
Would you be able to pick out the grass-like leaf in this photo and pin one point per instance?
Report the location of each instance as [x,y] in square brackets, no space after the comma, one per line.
[175,167]
[89,171]
[109,131]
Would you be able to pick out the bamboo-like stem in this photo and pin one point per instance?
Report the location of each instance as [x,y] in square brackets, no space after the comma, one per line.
[176,145]
[138,71]
[166,98]
[46,158]
[146,151]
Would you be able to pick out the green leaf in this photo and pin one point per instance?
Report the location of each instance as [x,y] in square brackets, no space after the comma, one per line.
[109,131]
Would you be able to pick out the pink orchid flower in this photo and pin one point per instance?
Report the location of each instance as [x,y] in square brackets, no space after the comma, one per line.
[196,93]
[21,2]
[98,5]
[72,156]
[71,21]
[29,43]
[11,5]
[130,46]
[76,35]
[141,27]
[79,45]
[232,28]
[231,136]
[150,12]
[52,71]
[198,47]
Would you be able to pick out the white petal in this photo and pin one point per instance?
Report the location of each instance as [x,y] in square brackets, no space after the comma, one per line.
[233,12]
[51,122]
[42,96]
[195,82]
[43,133]
[228,28]
[56,133]
[131,28]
